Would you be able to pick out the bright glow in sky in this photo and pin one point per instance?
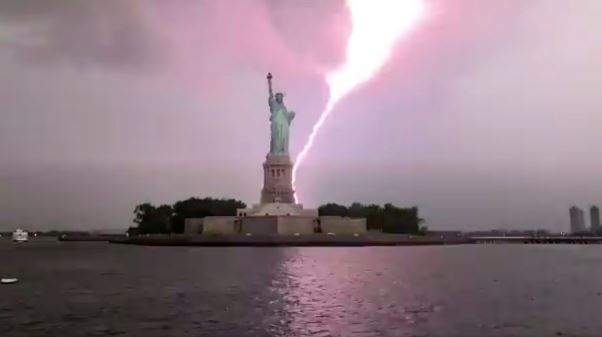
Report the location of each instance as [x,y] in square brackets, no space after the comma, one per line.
[163,100]
[376,26]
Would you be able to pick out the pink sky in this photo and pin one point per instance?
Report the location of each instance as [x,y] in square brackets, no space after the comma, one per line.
[487,116]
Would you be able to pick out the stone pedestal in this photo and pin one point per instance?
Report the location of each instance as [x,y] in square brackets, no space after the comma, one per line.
[277,180]
[277,212]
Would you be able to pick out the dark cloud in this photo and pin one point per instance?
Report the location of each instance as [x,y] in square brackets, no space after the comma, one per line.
[113,33]
[136,33]
[312,29]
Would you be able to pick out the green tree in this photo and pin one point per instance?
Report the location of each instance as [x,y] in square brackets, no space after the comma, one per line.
[142,213]
[333,209]
[200,208]
[357,210]
[401,220]
[151,219]
[374,217]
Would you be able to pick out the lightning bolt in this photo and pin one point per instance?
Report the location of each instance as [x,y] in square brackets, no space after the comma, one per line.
[376,26]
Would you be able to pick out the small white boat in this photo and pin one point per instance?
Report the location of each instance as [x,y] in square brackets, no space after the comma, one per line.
[9,280]
[20,236]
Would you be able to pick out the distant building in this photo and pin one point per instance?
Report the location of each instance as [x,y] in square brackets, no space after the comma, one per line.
[577,220]
[594,213]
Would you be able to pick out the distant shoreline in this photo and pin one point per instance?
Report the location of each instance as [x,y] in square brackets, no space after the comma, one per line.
[310,240]
[323,240]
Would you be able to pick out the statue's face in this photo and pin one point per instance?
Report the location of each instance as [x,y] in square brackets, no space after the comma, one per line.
[279,97]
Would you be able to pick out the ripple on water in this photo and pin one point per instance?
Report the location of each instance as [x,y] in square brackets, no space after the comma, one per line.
[98,331]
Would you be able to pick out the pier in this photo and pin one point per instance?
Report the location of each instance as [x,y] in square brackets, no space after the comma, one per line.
[559,239]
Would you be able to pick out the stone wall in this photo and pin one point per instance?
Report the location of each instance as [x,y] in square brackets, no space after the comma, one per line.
[270,225]
[289,225]
[274,209]
[341,225]
[220,225]
[309,212]
[259,225]
[193,226]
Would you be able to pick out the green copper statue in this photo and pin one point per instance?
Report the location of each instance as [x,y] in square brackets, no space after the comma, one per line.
[280,119]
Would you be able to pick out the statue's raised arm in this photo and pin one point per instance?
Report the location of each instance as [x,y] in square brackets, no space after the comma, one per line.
[269,77]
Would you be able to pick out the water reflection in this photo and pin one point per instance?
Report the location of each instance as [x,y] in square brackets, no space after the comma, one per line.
[335,292]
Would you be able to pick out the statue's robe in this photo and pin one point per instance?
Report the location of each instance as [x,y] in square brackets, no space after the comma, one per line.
[280,124]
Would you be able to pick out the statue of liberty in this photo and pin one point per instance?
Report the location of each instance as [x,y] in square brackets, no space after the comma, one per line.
[280,119]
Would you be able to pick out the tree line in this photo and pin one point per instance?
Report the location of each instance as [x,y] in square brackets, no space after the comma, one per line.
[151,219]
[387,218]
[164,219]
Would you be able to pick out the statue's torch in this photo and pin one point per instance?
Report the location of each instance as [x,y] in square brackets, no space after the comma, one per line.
[269,77]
